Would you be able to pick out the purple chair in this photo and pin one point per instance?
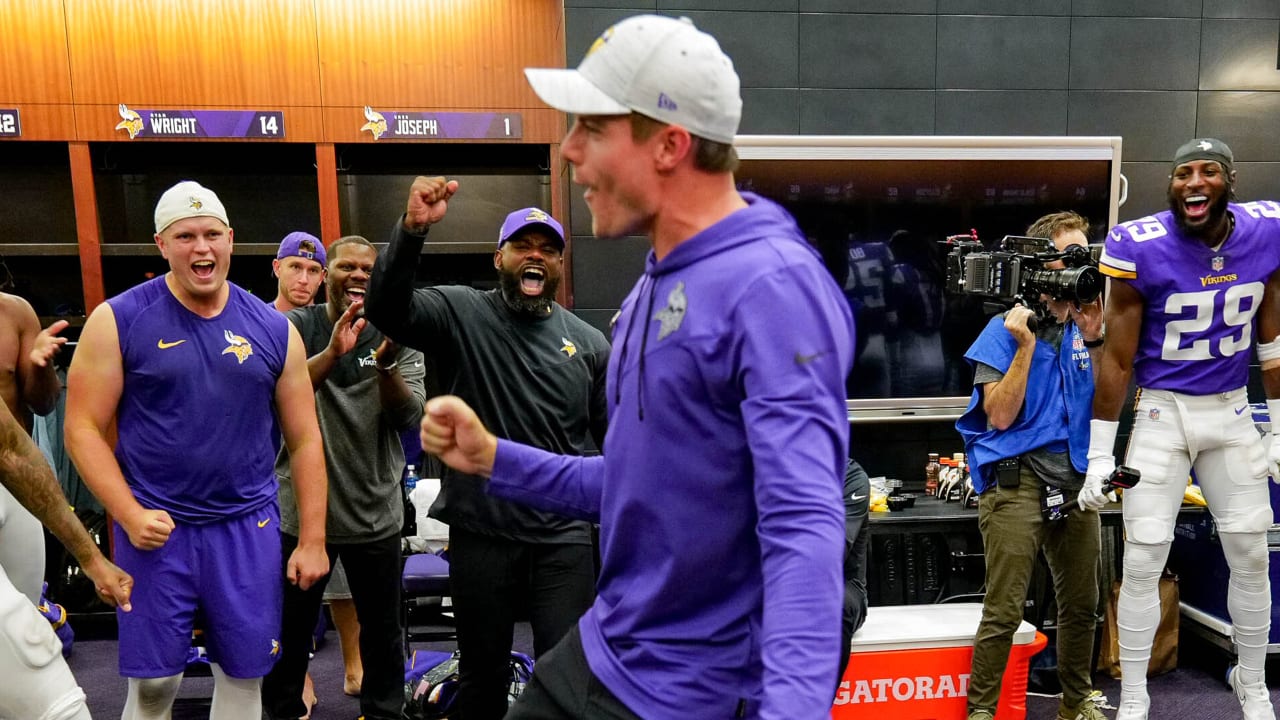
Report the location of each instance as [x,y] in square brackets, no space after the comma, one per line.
[424,583]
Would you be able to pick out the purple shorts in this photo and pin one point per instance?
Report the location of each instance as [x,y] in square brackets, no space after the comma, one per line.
[224,578]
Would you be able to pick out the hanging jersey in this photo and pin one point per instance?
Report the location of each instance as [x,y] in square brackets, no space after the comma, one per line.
[196,414]
[1197,323]
[870,272]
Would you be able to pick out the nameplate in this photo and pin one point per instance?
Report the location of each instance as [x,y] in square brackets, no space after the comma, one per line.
[413,125]
[143,124]
[10,123]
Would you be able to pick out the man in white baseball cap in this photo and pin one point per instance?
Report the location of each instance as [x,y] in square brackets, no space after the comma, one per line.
[188,199]
[728,432]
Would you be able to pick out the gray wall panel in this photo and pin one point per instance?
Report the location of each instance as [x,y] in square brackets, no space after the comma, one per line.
[866,112]
[1148,188]
[1001,112]
[1152,124]
[759,64]
[1247,121]
[1258,180]
[864,51]
[1241,9]
[1004,7]
[1136,8]
[638,6]
[1003,52]
[911,7]
[1134,54]
[1239,55]
[781,6]
[770,111]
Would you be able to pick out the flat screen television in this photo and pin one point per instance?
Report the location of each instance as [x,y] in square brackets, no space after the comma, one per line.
[880,208]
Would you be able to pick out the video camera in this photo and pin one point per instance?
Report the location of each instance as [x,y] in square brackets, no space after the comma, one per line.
[1016,273]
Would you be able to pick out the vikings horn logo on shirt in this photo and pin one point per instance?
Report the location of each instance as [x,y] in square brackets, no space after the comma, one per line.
[673,314]
[569,348]
[132,122]
[237,346]
[377,125]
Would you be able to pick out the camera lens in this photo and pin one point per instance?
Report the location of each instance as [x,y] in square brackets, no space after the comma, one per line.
[1079,284]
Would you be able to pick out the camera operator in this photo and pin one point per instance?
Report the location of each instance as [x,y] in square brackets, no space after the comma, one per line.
[1026,432]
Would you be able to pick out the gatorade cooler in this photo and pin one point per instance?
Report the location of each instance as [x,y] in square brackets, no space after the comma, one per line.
[911,662]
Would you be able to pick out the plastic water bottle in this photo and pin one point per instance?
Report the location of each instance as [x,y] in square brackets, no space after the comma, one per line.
[410,526]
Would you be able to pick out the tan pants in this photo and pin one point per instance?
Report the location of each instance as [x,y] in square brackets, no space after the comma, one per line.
[1013,534]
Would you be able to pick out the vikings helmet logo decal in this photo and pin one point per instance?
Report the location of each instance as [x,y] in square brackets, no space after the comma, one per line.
[600,41]
[132,122]
[377,124]
[569,348]
[237,346]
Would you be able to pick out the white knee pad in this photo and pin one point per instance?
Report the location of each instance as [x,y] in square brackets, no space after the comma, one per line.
[151,698]
[235,698]
[40,685]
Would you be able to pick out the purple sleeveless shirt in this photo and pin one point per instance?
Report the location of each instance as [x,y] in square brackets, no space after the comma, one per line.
[196,414]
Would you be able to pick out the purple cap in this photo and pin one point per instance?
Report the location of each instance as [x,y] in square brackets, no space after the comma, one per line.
[521,219]
[302,244]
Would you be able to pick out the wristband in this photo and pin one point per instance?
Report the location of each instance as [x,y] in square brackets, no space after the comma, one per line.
[386,369]
[1269,351]
[1094,343]
[1102,438]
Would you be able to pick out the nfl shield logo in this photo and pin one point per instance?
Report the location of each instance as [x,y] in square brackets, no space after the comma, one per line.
[1217,263]
[1154,414]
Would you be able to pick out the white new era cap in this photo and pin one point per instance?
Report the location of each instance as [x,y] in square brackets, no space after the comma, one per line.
[188,199]
[657,66]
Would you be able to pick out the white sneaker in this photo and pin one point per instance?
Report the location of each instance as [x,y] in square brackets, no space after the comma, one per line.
[1254,698]
[1133,707]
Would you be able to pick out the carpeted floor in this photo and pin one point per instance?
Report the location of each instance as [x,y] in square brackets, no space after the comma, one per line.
[1195,690]
[94,664]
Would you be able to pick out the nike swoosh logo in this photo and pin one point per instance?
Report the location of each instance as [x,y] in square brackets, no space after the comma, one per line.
[166,345]
[417,364]
[263,523]
[1241,410]
[857,497]
[806,359]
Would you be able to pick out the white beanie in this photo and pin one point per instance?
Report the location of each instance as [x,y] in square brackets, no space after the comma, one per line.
[185,200]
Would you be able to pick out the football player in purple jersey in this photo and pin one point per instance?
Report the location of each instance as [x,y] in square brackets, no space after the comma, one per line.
[1186,285]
